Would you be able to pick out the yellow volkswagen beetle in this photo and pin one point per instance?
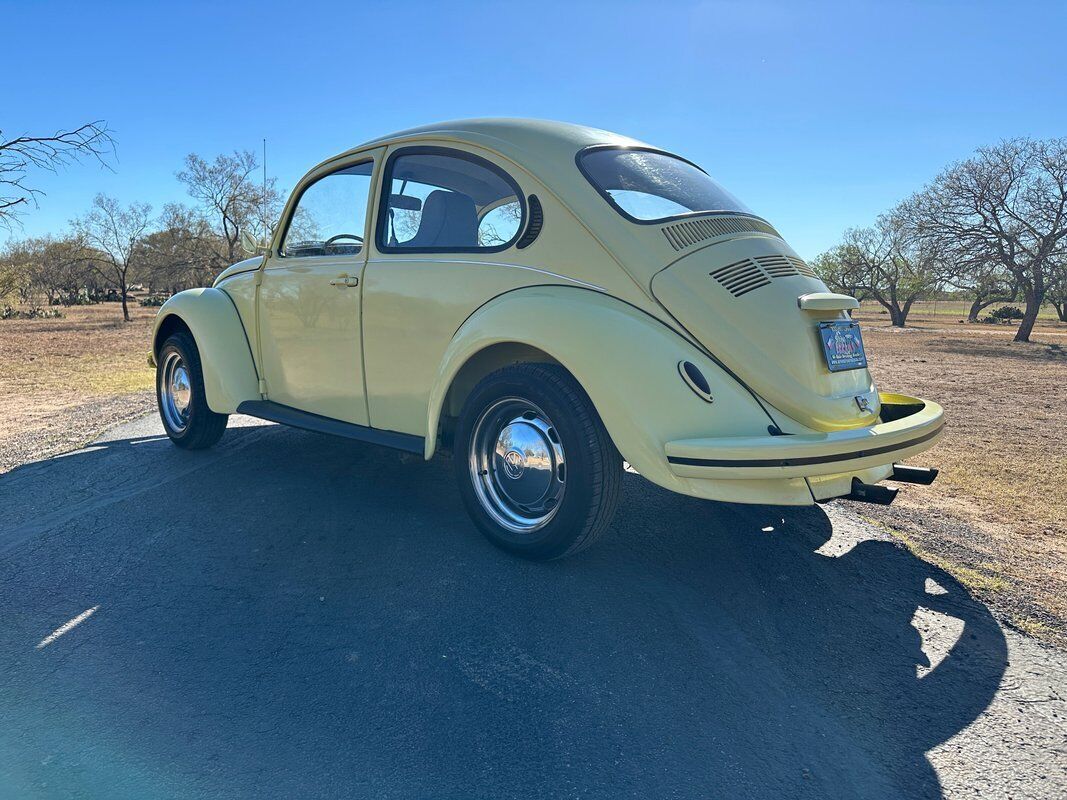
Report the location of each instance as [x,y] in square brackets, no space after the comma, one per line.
[544,301]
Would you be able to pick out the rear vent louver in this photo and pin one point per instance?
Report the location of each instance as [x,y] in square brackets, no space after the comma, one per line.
[537,221]
[685,234]
[784,266]
[741,277]
[749,274]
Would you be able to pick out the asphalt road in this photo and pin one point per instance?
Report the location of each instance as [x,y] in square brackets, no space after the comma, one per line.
[294,616]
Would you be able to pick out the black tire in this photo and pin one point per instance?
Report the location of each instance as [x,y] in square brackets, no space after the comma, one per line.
[203,427]
[593,467]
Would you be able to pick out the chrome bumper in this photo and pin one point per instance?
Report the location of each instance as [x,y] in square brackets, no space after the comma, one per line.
[914,426]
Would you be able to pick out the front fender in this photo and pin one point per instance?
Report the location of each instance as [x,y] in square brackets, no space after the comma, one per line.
[626,360]
[225,355]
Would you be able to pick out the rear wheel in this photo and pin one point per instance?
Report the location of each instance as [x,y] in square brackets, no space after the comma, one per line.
[180,394]
[538,472]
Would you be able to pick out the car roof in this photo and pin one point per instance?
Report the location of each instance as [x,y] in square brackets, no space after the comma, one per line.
[543,146]
[509,129]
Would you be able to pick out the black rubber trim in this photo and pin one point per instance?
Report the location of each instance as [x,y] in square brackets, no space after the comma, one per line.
[276,412]
[241,322]
[801,462]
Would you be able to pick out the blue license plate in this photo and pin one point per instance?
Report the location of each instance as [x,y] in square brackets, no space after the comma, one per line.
[842,345]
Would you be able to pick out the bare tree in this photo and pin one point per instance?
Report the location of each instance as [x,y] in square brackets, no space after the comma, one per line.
[231,197]
[987,283]
[1007,204]
[888,262]
[14,274]
[112,237]
[51,267]
[837,273]
[1057,292]
[23,154]
[184,252]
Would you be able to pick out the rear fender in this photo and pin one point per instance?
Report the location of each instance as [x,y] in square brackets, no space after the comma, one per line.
[230,375]
[627,362]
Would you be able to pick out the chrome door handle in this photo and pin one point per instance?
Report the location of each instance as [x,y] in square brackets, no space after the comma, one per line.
[344,281]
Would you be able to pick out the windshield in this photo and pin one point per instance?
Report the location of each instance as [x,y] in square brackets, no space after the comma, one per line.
[652,187]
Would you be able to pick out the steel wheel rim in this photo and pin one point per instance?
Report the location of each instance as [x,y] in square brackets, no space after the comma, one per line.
[517,465]
[175,392]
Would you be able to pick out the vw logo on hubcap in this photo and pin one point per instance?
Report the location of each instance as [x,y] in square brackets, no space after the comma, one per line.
[514,464]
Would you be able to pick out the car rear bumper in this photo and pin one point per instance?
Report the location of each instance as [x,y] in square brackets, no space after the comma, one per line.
[909,426]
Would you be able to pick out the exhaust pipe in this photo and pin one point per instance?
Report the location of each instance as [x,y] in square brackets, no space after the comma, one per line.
[906,474]
[869,493]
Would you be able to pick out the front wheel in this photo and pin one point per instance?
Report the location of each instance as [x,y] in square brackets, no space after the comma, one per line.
[180,394]
[538,472]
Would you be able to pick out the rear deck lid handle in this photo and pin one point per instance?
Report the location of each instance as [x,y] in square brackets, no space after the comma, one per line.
[826,301]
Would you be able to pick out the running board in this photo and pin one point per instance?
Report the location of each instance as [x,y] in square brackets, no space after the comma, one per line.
[285,415]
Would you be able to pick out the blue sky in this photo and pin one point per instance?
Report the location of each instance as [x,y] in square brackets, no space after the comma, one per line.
[817,115]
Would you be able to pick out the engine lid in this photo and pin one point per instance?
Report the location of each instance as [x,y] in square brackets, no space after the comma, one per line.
[741,299]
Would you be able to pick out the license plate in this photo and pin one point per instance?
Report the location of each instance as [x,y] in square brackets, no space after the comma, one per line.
[842,345]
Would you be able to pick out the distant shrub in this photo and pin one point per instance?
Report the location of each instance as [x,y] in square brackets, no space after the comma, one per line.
[77,300]
[34,312]
[1007,312]
[154,301]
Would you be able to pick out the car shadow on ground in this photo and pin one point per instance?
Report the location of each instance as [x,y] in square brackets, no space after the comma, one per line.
[290,615]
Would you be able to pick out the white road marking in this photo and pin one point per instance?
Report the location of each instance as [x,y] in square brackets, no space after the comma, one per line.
[66,626]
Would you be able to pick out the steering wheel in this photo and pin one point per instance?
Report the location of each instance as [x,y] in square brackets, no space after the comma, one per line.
[333,239]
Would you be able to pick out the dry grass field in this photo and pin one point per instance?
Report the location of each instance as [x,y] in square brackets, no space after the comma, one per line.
[995,518]
[64,380]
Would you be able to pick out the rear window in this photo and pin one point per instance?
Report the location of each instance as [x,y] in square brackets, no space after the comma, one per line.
[647,186]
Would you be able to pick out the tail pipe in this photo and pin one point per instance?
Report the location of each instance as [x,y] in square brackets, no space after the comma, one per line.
[906,474]
[870,493]
[884,495]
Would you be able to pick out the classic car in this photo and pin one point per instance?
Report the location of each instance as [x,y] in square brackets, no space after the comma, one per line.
[544,302]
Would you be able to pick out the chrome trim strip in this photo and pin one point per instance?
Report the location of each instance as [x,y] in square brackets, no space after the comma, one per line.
[485,264]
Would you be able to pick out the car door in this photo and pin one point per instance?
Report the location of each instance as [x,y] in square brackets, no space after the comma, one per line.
[448,221]
[310,297]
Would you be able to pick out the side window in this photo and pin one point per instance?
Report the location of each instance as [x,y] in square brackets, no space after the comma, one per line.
[447,201]
[331,214]
[500,224]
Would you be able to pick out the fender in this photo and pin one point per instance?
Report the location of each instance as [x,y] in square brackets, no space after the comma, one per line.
[626,360]
[230,375]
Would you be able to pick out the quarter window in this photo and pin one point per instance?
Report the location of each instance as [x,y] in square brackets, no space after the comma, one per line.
[447,201]
[330,216]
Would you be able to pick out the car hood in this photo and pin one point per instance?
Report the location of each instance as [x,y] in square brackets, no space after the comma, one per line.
[739,298]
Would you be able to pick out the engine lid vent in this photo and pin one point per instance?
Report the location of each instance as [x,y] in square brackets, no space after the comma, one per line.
[687,233]
[741,277]
[749,274]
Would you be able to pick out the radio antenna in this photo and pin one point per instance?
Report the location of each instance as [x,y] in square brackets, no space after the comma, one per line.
[263,199]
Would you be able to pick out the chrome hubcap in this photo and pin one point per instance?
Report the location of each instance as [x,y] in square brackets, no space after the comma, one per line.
[517,465]
[176,392]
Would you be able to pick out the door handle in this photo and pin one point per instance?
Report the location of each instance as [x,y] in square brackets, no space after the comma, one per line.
[344,281]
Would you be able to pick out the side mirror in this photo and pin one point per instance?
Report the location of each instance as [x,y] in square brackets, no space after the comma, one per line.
[250,245]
